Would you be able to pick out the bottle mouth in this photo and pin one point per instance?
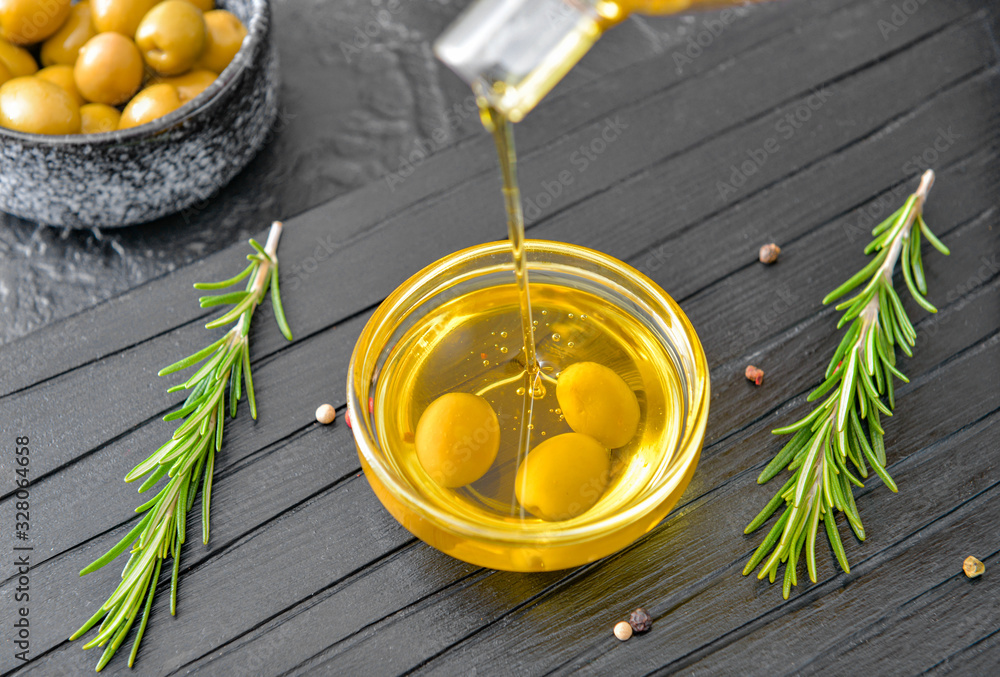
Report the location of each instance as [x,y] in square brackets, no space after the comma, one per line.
[513,52]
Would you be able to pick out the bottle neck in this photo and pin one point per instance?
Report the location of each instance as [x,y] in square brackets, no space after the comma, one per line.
[513,52]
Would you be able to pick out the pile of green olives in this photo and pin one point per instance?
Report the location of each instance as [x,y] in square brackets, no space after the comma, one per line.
[458,437]
[108,64]
[565,476]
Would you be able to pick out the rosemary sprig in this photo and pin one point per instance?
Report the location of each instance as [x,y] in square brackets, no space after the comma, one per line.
[188,458]
[831,439]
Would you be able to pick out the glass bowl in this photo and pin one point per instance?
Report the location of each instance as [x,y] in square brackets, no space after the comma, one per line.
[531,545]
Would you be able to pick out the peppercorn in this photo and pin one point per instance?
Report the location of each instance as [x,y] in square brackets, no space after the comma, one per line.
[325,414]
[623,631]
[973,567]
[640,620]
[754,374]
[769,253]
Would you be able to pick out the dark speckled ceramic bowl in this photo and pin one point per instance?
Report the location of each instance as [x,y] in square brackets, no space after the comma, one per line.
[135,175]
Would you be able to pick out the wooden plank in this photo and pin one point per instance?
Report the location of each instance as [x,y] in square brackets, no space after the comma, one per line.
[684,264]
[988,310]
[827,92]
[919,582]
[967,612]
[922,566]
[687,576]
[383,589]
[441,613]
[299,625]
[367,207]
[308,530]
[674,197]
[131,376]
[990,322]
[455,224]
[978,658]
[988,325]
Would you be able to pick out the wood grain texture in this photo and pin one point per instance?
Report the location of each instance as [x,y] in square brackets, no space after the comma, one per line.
[307,574]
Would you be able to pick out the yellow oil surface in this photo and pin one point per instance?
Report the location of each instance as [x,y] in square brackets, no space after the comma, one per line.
[472,344]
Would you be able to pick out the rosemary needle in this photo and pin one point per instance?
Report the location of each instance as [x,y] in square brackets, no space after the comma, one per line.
[858,379]
[162,530]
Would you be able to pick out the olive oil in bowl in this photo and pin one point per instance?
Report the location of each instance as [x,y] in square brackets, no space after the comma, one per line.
[472,344]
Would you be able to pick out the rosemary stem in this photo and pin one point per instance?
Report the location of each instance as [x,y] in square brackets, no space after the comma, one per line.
[261,278]
[271,247]
[871,311]
[860,374]
[887,267]
[868,323]
[161,532]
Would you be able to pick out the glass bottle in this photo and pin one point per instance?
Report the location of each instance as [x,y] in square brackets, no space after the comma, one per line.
[513,52]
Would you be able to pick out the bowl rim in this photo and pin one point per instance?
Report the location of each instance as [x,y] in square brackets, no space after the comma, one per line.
[260,15]
[547,534]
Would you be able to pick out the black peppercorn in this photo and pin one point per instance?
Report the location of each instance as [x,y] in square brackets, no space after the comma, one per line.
[640,620]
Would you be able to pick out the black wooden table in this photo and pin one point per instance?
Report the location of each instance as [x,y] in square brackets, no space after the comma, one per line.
[794,122]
